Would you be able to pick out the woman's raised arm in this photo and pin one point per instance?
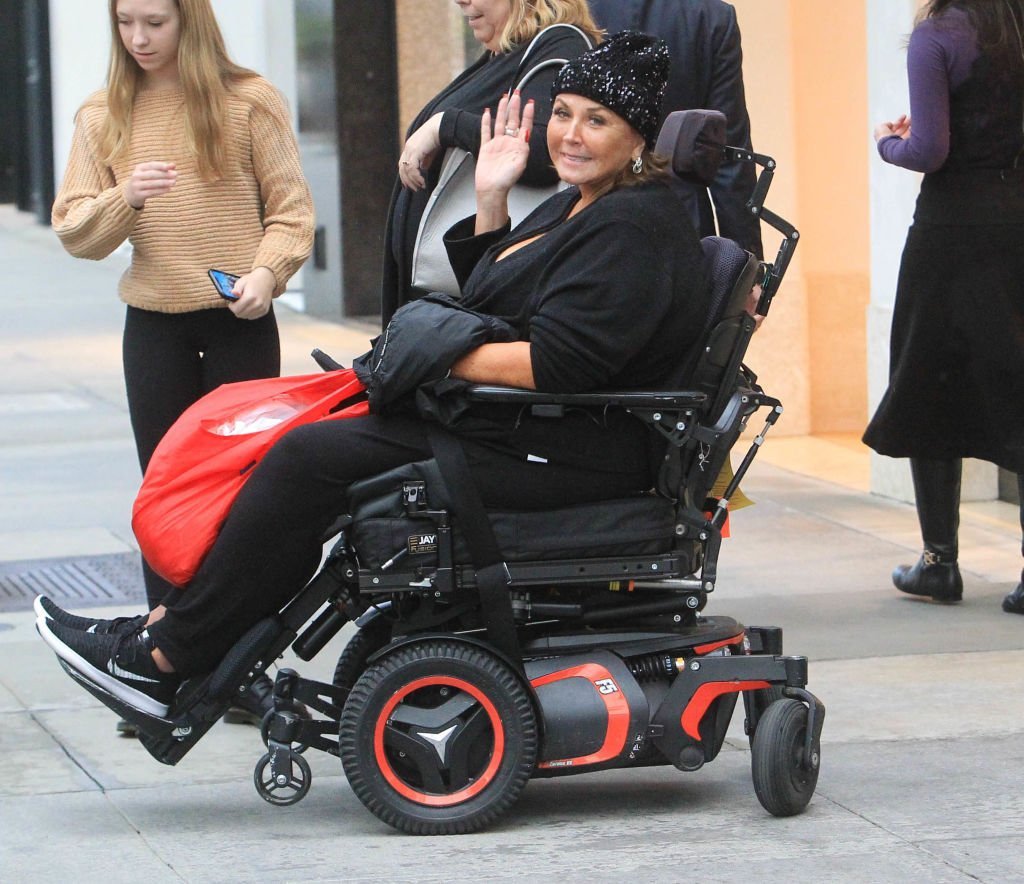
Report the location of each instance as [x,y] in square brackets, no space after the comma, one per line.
[504,151]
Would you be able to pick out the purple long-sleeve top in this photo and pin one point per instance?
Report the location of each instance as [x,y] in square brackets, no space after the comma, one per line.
[940,55]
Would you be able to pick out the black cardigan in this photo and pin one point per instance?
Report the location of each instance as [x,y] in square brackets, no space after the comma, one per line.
[614,297]
[463,101]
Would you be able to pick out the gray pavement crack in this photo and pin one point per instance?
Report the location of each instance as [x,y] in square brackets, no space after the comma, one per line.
[913,845]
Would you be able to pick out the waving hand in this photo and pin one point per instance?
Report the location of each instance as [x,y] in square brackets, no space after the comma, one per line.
[504,150]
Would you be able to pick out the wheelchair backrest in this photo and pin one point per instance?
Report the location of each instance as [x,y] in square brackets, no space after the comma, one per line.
[694,141]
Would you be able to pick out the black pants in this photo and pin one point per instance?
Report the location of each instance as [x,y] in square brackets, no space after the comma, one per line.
[173,359]
[271,542]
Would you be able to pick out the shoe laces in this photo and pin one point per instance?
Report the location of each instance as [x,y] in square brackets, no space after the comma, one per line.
[128,647]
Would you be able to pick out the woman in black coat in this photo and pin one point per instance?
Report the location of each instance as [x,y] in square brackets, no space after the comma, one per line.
[956,382]
[452,118]
[603,285]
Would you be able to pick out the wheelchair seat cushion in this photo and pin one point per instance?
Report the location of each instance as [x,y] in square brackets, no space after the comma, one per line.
[383,528]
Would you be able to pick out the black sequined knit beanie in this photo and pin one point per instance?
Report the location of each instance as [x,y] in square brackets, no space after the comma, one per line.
[627,73]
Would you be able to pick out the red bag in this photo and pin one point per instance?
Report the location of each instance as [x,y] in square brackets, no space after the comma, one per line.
[201,464]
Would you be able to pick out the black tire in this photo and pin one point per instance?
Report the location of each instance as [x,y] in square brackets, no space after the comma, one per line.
[782,785]
[363,645]
[484,746]
[762,699]
[284,794]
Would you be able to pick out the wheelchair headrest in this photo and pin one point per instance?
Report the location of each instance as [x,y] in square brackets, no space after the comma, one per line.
[694,140]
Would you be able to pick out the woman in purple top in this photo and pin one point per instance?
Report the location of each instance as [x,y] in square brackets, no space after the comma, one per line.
[956,381]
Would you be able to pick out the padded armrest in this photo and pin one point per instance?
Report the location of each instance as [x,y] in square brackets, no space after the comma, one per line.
[624,398]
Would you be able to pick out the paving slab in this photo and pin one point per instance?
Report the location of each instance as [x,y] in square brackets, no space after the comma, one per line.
[75,837]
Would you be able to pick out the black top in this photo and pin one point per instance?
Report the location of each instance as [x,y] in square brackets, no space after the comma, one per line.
[707,72]
[613,298]
[463,101]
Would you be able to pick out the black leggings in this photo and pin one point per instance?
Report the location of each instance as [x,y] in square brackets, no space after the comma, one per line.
[173,359]
[271,542]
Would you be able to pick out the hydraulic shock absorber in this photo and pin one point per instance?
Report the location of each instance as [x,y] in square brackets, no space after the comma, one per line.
[654,666]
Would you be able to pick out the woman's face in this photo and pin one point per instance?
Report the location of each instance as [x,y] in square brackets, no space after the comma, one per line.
[150,30]
[487,19]
[588,143]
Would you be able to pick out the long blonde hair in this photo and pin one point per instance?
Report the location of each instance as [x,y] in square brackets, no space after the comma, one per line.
[529,17]
[207,74]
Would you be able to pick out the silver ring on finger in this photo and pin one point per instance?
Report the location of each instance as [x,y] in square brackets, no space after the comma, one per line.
[510,131]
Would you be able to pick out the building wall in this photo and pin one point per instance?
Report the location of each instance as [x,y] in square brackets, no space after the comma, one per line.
[807,95]
[430,52]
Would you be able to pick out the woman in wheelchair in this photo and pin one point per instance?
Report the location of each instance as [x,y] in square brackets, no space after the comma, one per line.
[602,287]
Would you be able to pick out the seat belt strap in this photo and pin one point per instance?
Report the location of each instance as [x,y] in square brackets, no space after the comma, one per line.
[492,575]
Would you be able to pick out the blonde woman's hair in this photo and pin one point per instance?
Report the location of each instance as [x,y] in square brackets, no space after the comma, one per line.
[207,75]
[530,17]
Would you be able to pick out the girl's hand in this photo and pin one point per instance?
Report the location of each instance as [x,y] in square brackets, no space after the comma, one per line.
[255,291]
[899,127]
[504,148]
[419,153]
[149,180]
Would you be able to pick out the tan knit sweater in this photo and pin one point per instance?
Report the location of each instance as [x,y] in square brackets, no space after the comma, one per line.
[259,214]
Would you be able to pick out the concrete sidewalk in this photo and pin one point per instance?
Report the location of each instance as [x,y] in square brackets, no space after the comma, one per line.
[923,750]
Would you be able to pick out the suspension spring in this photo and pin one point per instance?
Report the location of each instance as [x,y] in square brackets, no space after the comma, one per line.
[654,666]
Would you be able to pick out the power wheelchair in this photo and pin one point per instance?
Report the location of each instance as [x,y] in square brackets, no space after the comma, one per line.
[495,647]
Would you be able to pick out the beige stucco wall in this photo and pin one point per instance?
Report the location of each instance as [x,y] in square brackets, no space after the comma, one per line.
[804,68]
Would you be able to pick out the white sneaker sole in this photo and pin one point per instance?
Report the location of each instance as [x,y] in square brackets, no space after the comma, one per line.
[39,609]
[116,687]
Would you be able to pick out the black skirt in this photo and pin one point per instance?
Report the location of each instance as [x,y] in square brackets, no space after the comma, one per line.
[956,373]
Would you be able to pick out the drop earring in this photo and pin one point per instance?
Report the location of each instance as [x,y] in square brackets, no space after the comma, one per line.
[638,165]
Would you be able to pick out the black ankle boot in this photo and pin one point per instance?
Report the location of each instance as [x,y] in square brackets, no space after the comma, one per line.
[935,576]
[1014,602]
[937,496]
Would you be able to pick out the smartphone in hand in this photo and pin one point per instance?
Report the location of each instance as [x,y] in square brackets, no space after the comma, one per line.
[224,282]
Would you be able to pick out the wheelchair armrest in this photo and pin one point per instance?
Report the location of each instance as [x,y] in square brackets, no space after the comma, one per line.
[624,398]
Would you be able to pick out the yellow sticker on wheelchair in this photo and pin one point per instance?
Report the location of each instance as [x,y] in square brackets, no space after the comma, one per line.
[418,544]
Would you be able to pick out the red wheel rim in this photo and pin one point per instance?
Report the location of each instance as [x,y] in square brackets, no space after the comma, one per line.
[429,799]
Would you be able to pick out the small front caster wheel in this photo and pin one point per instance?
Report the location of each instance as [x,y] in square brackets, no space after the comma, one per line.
[282,789]
[784,783]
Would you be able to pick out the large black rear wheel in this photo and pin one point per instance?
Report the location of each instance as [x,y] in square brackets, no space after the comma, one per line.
[363,645]
[438,738]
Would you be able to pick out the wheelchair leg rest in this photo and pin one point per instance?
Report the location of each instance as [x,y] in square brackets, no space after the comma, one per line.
[287,726]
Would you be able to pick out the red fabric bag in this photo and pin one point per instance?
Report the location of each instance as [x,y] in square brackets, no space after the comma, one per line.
[201,464]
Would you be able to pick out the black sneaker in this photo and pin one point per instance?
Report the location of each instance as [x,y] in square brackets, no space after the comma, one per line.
[120,664]
[50,610]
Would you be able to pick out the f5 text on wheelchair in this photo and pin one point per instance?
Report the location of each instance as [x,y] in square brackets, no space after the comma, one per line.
[493,647]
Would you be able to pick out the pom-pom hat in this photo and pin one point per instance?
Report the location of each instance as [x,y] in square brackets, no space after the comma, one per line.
[627,73]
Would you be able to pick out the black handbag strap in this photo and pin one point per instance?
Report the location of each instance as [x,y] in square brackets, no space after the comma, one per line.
[492,575]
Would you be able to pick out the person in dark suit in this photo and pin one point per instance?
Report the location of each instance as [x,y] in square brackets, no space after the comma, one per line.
[704,42]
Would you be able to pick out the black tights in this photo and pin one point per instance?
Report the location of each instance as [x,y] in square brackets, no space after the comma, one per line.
[271,542]
[173,359]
